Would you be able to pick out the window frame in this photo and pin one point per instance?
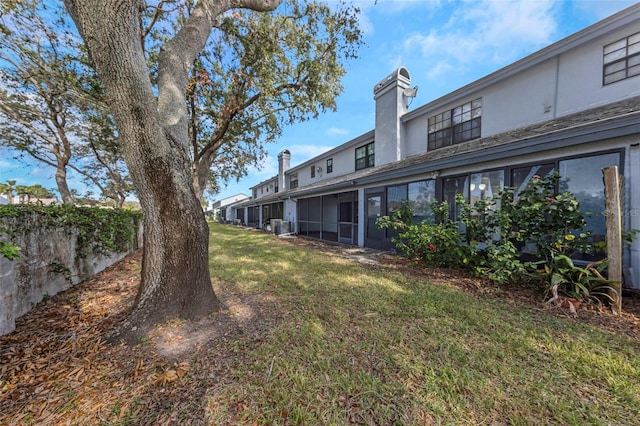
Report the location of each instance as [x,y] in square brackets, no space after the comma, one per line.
[459,124]
[293,183]
[329,165]
[313,172]
[368,159]
[621,58]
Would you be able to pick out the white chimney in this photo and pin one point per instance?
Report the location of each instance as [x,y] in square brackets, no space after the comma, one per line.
[391,95]
[284,162]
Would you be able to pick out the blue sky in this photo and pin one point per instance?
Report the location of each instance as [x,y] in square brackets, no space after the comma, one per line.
[444,45]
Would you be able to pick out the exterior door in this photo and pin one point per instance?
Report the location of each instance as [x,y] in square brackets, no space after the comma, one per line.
[345,222]
[375,208]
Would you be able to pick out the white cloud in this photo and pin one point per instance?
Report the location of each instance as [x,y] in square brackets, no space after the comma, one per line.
[335,131]
[365,24]
[396,6]
[267,168]
[486,31]
[441,68]
[302,153]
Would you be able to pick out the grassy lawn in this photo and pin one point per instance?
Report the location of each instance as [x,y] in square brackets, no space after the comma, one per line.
[360,344]
[309,337]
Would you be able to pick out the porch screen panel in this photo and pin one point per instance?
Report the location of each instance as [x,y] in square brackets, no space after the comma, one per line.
[485,185]
[303,216]
[277,211]
[396,196]
[521,176]
[330,217]
[452,187]
[583,178]
[315,217]
[421,195]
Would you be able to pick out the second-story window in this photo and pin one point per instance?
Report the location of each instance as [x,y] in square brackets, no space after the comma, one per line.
[365,156]
[463,123]
[313,172]
[293,180]
[330,165]
[621,59]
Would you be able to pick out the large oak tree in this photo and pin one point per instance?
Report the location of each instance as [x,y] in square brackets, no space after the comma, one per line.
[153,124]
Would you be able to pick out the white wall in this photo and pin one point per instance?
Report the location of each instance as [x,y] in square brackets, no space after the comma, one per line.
[561,85]
[580,77]
[344,162]
[524,99]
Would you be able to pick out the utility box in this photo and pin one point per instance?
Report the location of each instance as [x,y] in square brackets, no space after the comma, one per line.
[284,227]
[275,224]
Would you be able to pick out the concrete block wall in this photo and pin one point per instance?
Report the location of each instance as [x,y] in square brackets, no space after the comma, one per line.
[49,263]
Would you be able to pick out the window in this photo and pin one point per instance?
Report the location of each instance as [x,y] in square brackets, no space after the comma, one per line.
[365,156]
[463,123]
[583,177]
[621,59]
[293,181]
[485,185]
[521,176]
[421,195]
[452,187]
[396,196]
[313,172]
[330,165]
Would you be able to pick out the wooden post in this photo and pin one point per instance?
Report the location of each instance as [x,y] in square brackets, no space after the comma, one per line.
[614,234]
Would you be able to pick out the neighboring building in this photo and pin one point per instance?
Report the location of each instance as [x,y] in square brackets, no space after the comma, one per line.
[17,199]
[222,210]
[573,107]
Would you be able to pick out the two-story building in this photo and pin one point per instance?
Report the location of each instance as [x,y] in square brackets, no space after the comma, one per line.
[572,107]
[222,210]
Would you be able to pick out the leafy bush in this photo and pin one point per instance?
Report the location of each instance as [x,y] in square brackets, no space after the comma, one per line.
[439,243]
[552,222]
[486,237]
[9,250]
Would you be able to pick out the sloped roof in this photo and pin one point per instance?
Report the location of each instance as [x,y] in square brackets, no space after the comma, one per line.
[612,120]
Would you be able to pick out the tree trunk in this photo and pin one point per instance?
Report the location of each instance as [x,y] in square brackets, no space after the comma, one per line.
[175,271]
[63,188]
[200,173]
[175,278]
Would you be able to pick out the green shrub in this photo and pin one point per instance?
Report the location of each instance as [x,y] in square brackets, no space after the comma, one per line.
[9,250]
[485,237]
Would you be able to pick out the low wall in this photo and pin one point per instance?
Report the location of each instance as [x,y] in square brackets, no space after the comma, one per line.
[50,261]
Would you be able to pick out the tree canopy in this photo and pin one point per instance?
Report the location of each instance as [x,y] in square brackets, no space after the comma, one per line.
[51,105]
[256,74]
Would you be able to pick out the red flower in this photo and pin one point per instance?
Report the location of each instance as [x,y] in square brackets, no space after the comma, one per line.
[551,199]
[536,176]
[432,247]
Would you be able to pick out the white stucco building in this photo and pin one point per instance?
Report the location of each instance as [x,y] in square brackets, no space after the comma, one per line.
[572,107]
